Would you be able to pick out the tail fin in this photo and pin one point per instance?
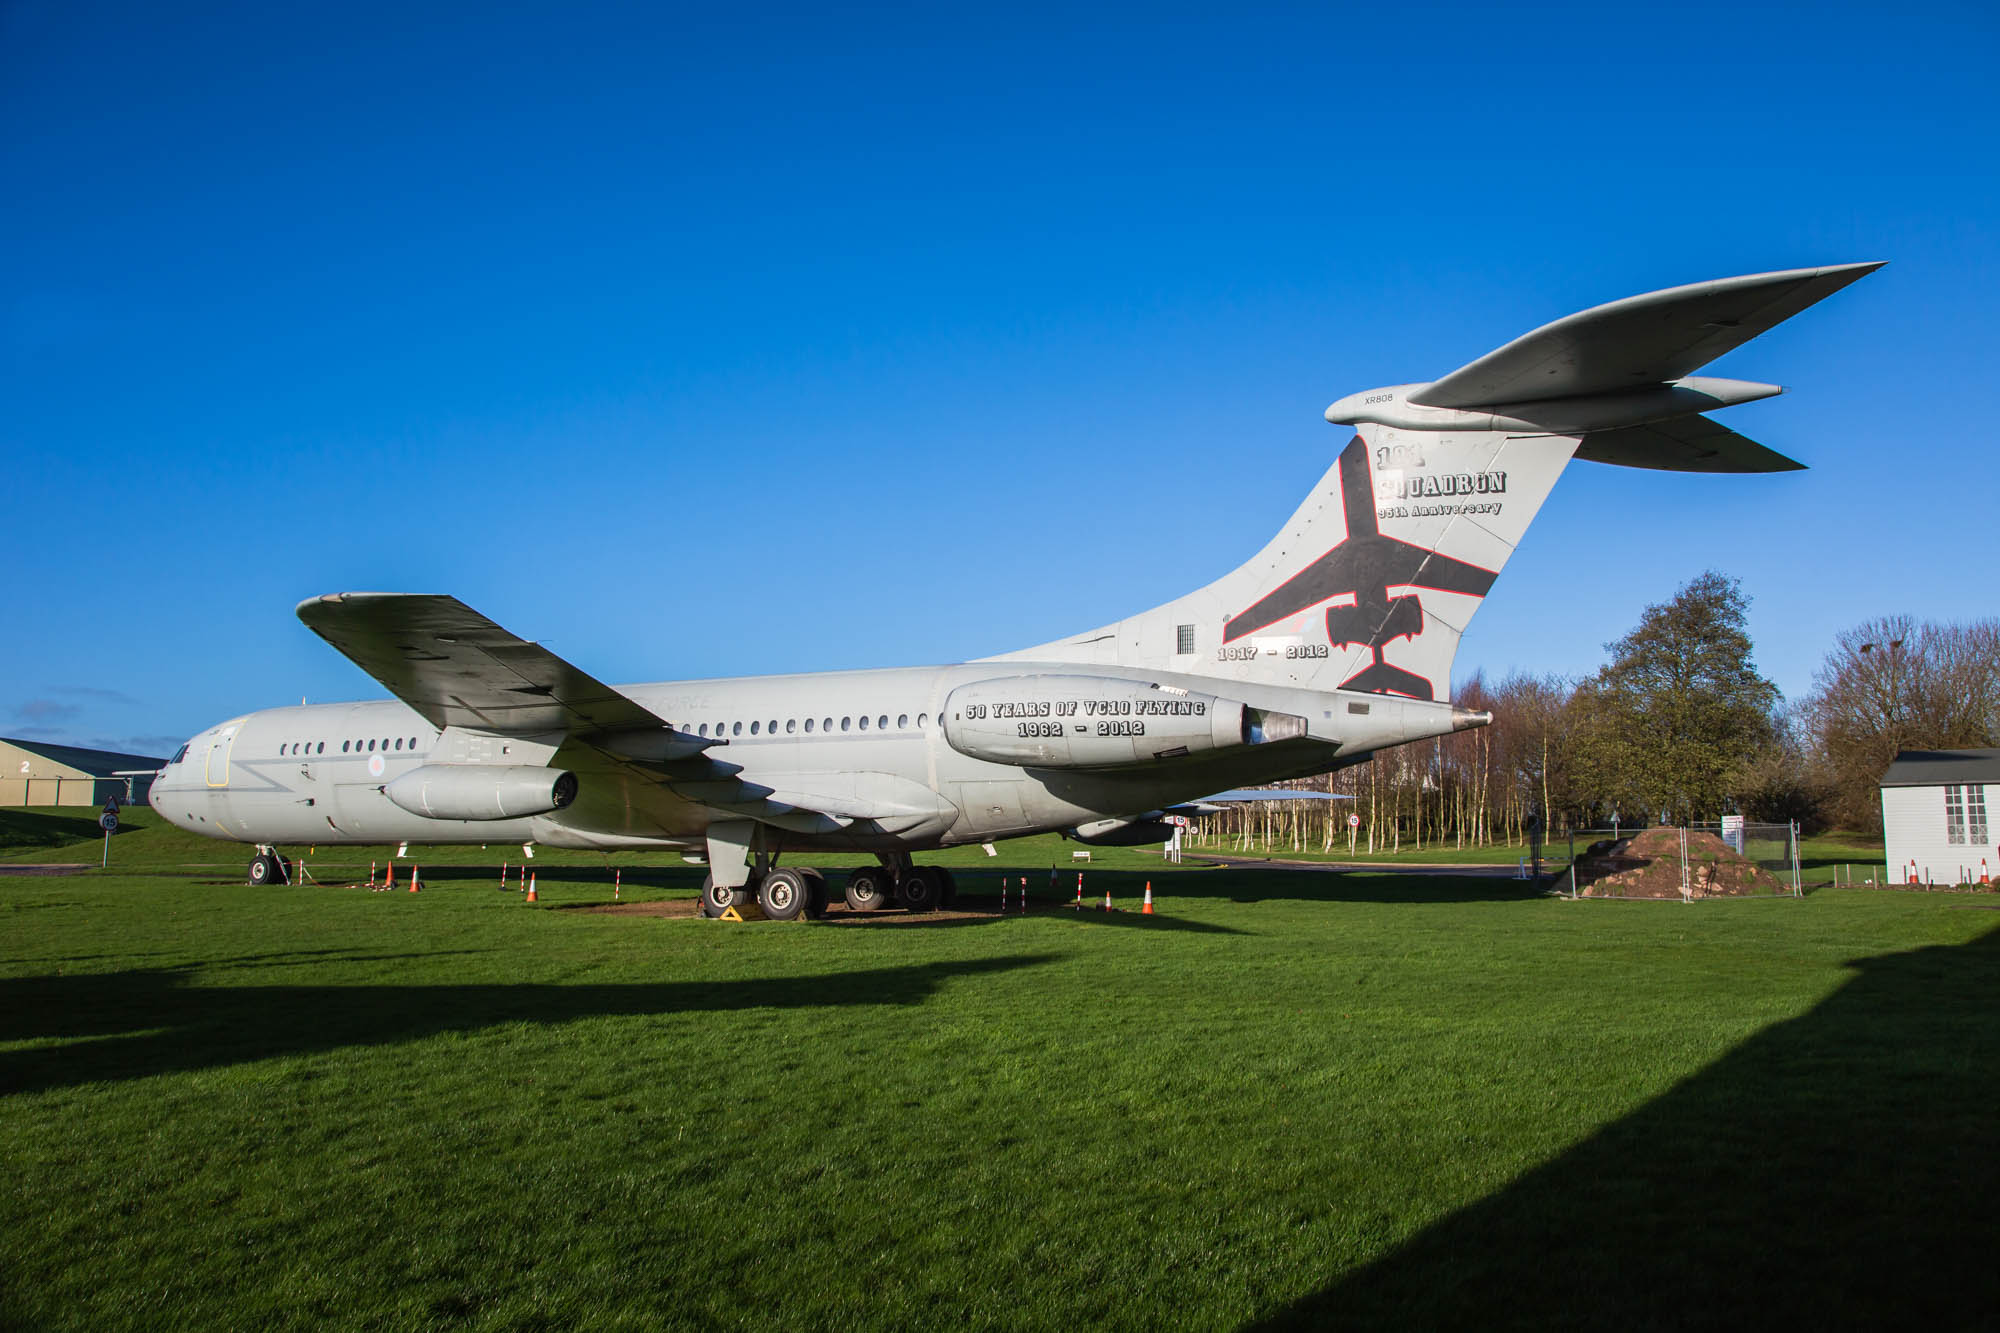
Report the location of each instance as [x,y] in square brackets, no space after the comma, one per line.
[1371,583]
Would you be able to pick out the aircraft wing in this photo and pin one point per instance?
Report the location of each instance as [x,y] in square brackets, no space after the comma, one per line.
[1639,341]
[459,669]
[1684,444]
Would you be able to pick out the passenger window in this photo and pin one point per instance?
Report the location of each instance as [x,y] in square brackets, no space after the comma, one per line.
[321,749]
[704,729]
[826,725]
[343,747]
[922,718]
[399,742]
[791,724]
[809,724]
[882,722]
[413,742]
[844,723]
[753,728]
[773,728]
[736,728]
[864,724]
[902,721]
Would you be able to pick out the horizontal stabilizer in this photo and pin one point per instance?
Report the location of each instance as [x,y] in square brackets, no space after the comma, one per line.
[1685,444]
[1639,341]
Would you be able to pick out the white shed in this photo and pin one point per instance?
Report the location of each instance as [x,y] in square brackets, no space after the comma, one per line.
[1935,823]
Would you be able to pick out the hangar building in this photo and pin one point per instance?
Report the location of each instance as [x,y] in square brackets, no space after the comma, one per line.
[1935,823]
[41,773]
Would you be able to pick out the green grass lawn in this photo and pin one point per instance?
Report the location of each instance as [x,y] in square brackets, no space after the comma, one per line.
[1293,1098]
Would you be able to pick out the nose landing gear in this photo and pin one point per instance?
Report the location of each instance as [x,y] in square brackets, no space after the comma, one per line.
[269,868]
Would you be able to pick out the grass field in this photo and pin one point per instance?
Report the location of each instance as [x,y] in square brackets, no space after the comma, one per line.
[1294,1098]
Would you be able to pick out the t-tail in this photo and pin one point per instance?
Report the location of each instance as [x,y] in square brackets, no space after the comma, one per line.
[1371,583]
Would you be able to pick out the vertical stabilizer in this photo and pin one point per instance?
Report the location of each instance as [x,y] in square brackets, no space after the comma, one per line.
[1369,585]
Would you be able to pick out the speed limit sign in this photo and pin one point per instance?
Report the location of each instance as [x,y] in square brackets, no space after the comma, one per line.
[1354,821]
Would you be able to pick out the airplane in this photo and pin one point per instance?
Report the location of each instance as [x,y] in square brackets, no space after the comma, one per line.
[1330,645]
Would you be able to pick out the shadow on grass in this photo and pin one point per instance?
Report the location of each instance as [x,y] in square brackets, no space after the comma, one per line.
[175,1027]
[1836,1170]
[1275,883]
[1091,915]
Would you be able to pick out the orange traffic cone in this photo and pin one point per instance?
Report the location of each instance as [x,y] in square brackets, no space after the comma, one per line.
[1107,897]
[389,881]
[1147,910]
[531,888]
[415,874]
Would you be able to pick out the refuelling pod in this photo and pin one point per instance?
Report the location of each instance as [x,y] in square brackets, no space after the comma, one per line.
[1123,832]
[1050,721]
[482,791]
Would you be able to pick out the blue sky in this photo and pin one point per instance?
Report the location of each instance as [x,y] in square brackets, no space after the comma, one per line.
[704,343]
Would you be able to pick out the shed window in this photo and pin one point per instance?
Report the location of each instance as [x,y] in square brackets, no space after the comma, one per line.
[1183,639]
[1965,815]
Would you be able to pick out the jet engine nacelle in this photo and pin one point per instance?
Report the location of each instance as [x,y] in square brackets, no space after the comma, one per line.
[1123,832]
[482,791]
[1099,722]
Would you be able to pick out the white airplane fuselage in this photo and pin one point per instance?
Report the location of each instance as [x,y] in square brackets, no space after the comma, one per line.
[316,774]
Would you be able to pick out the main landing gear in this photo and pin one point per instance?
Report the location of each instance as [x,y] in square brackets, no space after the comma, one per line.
[784,894]
[269,868]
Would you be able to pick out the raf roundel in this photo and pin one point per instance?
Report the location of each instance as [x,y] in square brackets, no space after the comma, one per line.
[375,765]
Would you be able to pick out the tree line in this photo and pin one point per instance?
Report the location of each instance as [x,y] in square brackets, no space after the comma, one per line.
[1677,727]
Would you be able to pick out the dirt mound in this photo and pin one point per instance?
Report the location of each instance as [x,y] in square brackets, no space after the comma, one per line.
[1648,865]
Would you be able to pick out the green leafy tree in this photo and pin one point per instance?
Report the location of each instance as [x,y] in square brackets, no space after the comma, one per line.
[1680,714]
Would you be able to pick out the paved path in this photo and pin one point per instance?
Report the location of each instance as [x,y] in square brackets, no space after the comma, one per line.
[50,869]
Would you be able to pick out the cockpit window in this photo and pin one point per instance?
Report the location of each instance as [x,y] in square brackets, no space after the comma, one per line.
[179,755]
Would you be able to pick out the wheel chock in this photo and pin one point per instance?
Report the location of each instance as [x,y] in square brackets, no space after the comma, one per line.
[747,912]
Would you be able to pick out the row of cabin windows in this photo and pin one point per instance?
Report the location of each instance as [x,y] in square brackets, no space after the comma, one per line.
[360,747]
[881,723]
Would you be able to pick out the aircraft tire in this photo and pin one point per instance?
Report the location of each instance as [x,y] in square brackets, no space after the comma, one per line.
[784,894]
[920,888]
[265,870]
[816,893]
[868,889]
[714,901]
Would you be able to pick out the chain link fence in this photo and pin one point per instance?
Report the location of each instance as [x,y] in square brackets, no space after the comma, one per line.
[1728,859]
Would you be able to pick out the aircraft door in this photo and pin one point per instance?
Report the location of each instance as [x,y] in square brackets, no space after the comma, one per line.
[219,746]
